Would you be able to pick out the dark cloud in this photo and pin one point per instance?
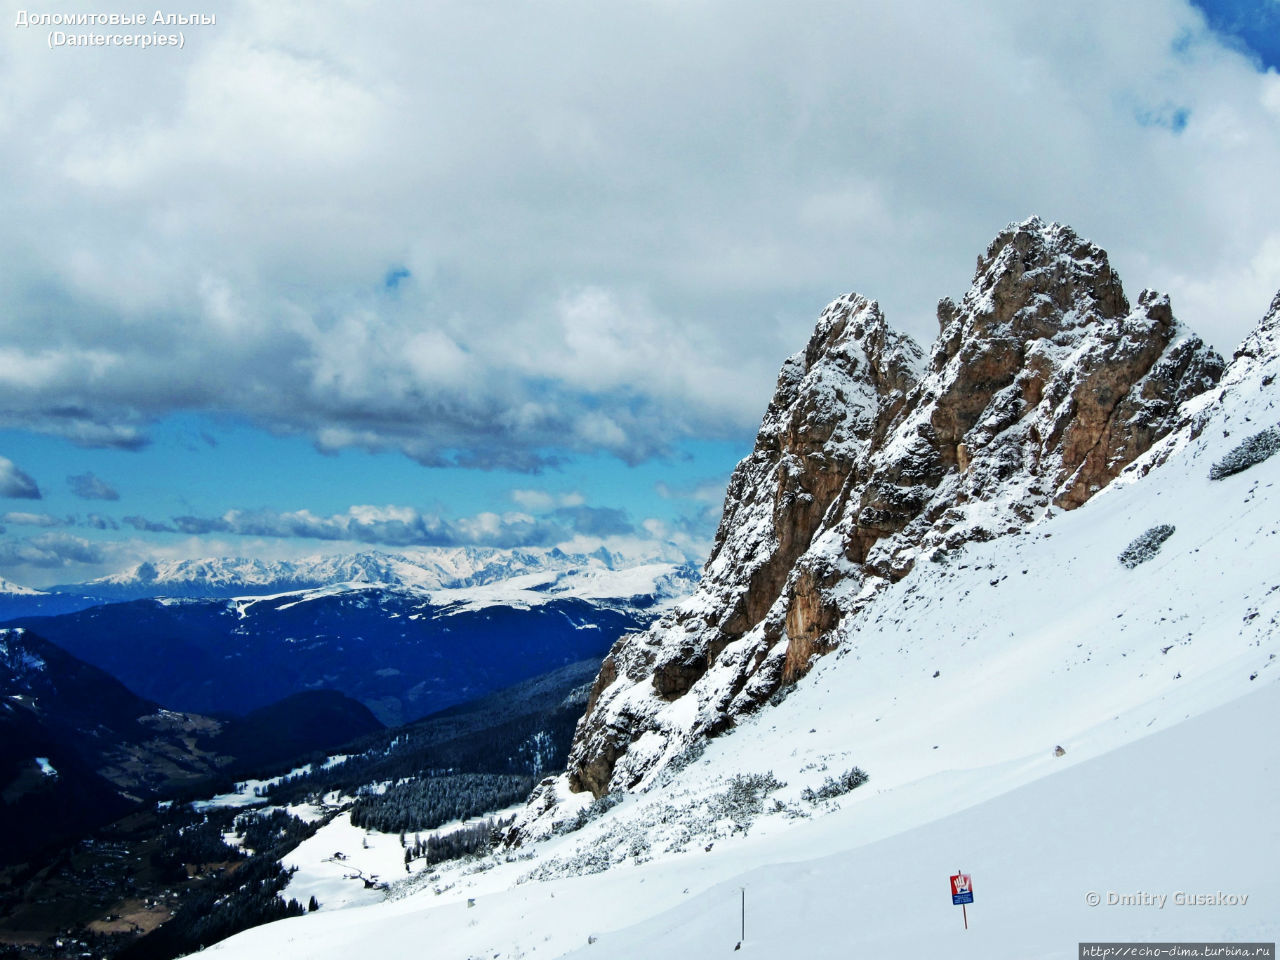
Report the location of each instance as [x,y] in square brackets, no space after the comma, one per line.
[86,486]
[98,522]
[148,526]
[48,551]
[198,525]
[595,521]
[16,483]
[108,426]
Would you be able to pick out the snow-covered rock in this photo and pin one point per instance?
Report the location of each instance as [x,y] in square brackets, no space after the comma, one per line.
[1043,385]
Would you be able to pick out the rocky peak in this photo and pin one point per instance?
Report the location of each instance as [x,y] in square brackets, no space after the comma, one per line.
[833,405]
[1043,385]
[1034,279]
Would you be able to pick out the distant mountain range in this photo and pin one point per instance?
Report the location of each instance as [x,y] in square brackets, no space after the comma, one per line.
[666,571]
[428,569]
[405,634]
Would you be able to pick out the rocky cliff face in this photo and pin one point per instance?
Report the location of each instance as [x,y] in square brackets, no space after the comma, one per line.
[1044,383]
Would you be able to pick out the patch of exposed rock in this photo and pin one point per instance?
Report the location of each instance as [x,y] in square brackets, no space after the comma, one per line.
[1043,385]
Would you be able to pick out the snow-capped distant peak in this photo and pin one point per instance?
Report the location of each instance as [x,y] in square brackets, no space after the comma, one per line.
[14,589]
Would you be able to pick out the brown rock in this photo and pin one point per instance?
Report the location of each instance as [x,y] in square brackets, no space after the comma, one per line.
[1042,386]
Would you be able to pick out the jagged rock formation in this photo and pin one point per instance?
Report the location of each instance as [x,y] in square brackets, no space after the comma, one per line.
[1043,385]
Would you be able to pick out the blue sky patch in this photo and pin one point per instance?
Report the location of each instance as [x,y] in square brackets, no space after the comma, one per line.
[1251,25]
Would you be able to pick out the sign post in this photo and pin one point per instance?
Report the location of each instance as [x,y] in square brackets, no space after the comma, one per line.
[962,894]
[743,890]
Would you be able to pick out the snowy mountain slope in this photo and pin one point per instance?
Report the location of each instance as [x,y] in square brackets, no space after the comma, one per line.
[953,687]
[853,883]
[1017,645]
[1035,854]
[649,580]
[649,586]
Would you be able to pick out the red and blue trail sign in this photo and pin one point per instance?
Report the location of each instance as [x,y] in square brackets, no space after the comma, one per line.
[961,889]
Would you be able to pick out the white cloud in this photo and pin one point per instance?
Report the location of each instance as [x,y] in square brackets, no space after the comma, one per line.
[705,491]
[562,518]
[615,220]
[25,519]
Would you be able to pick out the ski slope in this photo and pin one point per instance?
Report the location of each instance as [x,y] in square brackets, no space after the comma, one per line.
[1189,809]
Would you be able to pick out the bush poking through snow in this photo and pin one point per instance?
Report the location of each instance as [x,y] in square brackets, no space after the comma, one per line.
[696,821]
[743,799]
[584,816]
[1146,546]
[1249,453]
[834,787]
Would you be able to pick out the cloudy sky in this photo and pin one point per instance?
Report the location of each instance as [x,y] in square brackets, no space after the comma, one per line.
[337,275]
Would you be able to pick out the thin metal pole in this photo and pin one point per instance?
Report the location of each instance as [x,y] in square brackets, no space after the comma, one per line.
[744,913]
